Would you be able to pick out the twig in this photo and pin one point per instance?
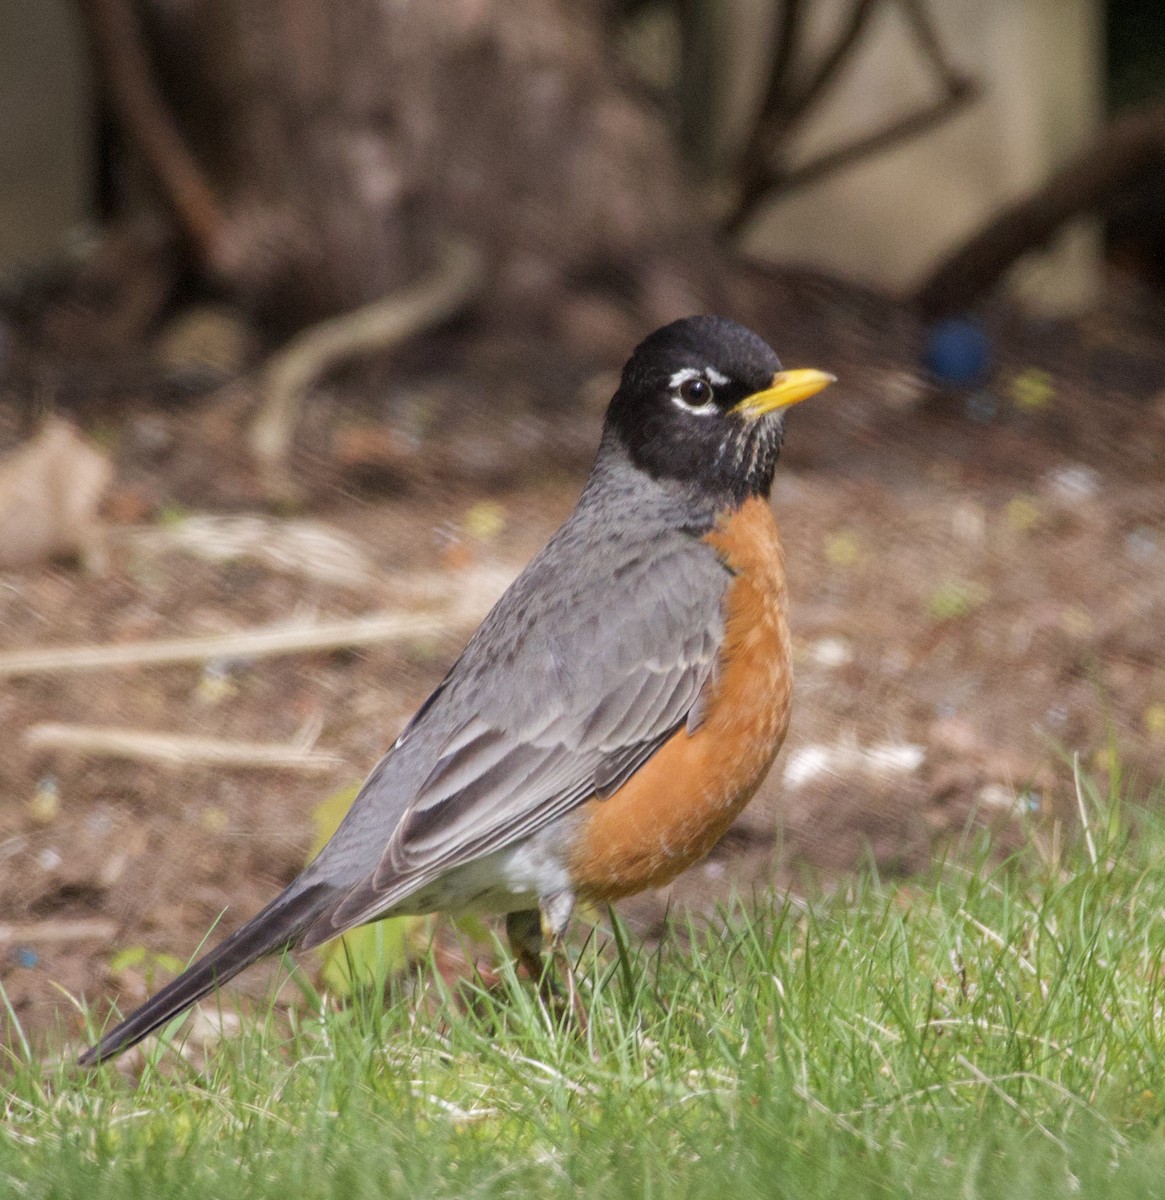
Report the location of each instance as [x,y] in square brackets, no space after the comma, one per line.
[378,326]
[176,750]
[784,105]
[266,642]
[900,129]
[788,42]
[830,66]
[763,177]
[925,34]
[56,932]
[461,599]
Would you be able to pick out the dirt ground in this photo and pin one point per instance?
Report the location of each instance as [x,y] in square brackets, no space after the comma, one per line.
[978,594]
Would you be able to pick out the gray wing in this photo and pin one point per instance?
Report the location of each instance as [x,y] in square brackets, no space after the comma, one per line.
[587,665]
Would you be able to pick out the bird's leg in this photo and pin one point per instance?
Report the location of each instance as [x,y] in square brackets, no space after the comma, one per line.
[556,911]
[528,931]
[524,929]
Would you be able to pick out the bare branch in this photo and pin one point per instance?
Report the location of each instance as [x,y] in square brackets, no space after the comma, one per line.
[121,54]
[1132,145]
[788,41]
[831,65]
[929,42]
[762,177]
[900,129]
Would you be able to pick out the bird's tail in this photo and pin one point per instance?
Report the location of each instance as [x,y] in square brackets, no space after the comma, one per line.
[276,928]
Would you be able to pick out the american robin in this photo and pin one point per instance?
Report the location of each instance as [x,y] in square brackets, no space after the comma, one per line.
[616,709]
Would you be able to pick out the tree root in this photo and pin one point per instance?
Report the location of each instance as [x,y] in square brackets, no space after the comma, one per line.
[382,325]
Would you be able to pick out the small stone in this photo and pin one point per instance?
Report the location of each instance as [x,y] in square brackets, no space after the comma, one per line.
[995,795]
[969,522]
[215,683]
[97,825]
[49,859]
[152,434]
[1076,621]
[831,652]
[1141,545]
[209,1026]
[902,391]
[1072,483]
[214,819]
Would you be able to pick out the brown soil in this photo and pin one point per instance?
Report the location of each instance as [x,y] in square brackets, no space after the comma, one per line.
[978,592]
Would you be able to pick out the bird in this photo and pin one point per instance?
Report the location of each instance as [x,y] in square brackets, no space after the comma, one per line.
[614,712]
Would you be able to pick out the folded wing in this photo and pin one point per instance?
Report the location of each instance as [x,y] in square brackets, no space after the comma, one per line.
[586,693]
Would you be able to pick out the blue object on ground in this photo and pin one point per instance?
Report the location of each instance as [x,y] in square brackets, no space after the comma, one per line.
[958,352]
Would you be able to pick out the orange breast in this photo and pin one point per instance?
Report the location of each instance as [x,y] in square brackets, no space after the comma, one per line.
[682,801]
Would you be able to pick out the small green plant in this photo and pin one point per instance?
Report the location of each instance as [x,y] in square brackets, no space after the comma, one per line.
[956,598]
[146,961]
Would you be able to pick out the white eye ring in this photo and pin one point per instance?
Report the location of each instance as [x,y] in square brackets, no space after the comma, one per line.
[692,392]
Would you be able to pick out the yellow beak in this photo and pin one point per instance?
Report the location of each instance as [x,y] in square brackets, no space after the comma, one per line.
[788,387]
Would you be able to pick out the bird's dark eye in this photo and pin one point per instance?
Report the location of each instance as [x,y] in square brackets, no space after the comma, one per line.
[697,392]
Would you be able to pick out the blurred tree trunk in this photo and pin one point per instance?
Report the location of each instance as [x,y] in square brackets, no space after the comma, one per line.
[317,154]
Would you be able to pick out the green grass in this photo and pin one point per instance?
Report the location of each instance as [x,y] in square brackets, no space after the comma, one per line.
[993,1031]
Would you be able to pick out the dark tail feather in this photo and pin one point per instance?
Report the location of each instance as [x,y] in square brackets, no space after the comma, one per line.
[275,928]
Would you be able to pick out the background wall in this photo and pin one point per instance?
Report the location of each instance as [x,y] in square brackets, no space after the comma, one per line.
[889,218]
[46,118]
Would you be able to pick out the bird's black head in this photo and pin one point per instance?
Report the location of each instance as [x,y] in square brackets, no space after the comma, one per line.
[702,401]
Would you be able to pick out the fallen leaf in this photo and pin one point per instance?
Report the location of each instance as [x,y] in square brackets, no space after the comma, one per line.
[49,494]
[485,520]
[1031,389]
[1023,513]
[841,548]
